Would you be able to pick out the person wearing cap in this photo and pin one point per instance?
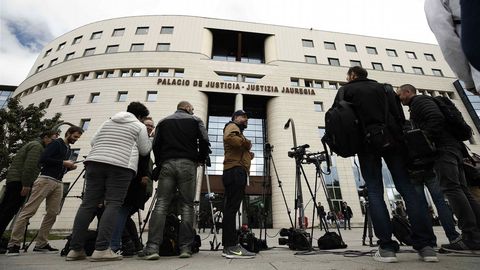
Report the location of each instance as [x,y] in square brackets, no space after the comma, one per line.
[236,167]
[21,174]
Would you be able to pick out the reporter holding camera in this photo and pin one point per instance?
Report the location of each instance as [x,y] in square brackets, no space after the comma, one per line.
[236,167]
[427,116]
[379,111]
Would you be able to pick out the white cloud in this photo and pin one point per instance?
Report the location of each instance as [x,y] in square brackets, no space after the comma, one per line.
[403,20]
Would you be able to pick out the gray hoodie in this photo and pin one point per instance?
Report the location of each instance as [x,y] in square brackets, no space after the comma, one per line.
[119,141]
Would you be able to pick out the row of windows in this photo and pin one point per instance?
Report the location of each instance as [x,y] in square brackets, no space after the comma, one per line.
[100,74]
[369,49]
[312,83]
[118,32]
[376,66]
[135,47]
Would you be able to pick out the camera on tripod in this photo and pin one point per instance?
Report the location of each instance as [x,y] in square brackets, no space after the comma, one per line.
[296,239]
[298,151]
[363,192]
[315,157]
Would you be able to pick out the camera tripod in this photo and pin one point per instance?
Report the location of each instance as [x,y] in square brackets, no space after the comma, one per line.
[367,225]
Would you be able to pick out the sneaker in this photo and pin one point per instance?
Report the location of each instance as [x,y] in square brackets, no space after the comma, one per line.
[13,250]
[105,255]
[45,249]
[385,255]
[224,252]
[457,247]
[184,254]
[428,254]
[238,252]
[148,255]
[74,255]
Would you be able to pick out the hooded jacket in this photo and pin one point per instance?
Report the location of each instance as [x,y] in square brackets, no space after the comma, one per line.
[25,167]
[119,141]
[237,148]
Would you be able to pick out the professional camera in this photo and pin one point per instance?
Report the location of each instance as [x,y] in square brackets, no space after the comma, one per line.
[247,240]
[296,239]
[315,157]
[298,152]
[363,192]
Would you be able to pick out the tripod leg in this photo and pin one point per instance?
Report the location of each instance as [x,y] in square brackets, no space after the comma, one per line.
[365,225]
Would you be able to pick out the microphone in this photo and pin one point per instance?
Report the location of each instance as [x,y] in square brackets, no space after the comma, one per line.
[287,125]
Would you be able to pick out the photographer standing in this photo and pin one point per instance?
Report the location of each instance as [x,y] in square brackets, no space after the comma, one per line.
[428,117]
[180,144]
[382,118]
[236,168]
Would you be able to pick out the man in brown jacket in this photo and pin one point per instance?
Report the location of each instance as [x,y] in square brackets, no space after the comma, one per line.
[236,168]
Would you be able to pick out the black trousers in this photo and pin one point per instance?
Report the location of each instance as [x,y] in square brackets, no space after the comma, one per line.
[234,182]
[12,201]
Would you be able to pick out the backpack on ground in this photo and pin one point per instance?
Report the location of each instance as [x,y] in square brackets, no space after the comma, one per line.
[402,230]
[89,247]
[170,245]
[456,124]
[331,240]
[343,132]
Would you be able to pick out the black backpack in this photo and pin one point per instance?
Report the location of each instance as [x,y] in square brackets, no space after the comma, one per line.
[331,240]
[89,247]
[402,230]
[456,125]
[343,131]
[170,245]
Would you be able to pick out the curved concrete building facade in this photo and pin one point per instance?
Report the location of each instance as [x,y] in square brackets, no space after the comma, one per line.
[273,72]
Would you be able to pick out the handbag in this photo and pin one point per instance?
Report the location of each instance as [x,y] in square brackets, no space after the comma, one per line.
[471,167]
[418,144]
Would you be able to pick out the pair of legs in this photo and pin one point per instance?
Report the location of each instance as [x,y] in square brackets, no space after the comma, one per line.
[234,182]
[12,201]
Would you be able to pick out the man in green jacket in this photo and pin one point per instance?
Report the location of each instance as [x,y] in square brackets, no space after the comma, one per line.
[23,170]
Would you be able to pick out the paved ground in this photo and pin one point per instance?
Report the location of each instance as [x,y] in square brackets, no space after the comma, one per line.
[278,257]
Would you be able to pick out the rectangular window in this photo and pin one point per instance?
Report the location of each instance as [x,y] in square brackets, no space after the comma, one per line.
[136,47]
[332,85]
[355,63]
[136,73]
[98,75]
[125,73]
[39,68]
[317,84]
[61,46]
[164,73]
[142,30]
[329,45]
[392,53]
[84,123]
[122,96]
[152,96]
[308,83]
[377,66]
[118,32]
[162,47]
[411,55]
[350,48]
[89,51]
[294,82]
[372,50]
[94,97]
[109,74]
[437,72]
[251,79]
[429,57]
[69,99]
[166,30]
[53,62]
[307,43]
[151,72]
[69,56]
[310,59]
[96,35]
[47,53]
[318,106]
[179,73]
[398,68]
[418,70]
[228,77]
[333,62]
[112,49]
[77,40]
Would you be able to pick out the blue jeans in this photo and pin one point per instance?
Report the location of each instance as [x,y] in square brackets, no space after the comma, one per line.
[371,168]
[175,175]
[122,217]
[444,212]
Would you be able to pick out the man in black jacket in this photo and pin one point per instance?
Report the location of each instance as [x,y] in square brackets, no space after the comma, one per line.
[369,100]
[49,187]
[427,116]
[180,144]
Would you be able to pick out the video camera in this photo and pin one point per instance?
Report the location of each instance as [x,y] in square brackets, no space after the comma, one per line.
[363,192]
[298,152]
[315,157]
[296,239]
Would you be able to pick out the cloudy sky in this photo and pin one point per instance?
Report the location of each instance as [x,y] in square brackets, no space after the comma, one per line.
[27,25]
